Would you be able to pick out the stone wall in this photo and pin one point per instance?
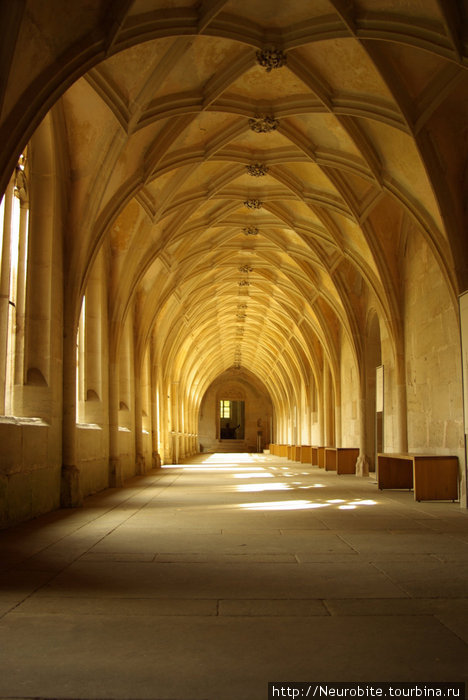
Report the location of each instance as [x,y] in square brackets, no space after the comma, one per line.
[29,470]
[350,423]
[432,351]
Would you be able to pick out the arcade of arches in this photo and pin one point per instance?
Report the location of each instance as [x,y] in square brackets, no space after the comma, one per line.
[227,201]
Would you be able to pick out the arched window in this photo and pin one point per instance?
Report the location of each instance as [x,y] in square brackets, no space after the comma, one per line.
[91,347]
[80,365]
[14,222]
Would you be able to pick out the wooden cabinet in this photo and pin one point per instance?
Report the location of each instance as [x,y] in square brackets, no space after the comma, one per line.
[341,459]
[433,477]
[321,457]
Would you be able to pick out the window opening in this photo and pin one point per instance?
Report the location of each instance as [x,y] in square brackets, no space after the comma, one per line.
[80,363]
[231,420]
[225,409]
[14,223]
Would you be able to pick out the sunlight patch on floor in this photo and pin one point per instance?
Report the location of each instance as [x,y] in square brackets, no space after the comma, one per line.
[206,469]
[306,505]
[255,475]
[259,479]
[230,457]
[282,505]
[263,487]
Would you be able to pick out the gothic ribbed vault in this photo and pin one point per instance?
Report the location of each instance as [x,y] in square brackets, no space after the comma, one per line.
[251,214]
[161,135]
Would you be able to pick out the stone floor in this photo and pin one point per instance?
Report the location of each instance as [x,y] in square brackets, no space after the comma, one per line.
[207,580]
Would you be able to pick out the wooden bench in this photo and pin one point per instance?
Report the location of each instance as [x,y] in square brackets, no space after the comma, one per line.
[341,459]
[318,456]
[283,451]
[306,454]
[278,450]
[433,477]
[321,457]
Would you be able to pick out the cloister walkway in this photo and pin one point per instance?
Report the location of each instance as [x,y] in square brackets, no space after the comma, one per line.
[211,578]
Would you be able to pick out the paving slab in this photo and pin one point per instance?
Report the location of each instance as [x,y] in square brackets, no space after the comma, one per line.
[368,557]
[456,621]
[370,522]
[129,556]
[222,580]
[218,658]
[398,606]
[21,583]
[409,542]
[223,557]
[184,586]
[428,579]
[455,525]
[267,608]
[147,607]
[139,541]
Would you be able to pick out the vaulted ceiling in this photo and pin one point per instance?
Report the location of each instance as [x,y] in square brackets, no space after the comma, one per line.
[251,167]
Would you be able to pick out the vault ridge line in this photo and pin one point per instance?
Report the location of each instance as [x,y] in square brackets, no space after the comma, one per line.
[162,69]
[109,92]
[207,12]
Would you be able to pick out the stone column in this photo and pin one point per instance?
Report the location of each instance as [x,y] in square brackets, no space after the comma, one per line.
[337,411]
[138,374]
[305,416]
[362,464]
[326,404]
[164,408]
[321,411]
[175,422]
[115,467]
[154,406]
[140,465]
[5,290]
[70,484]
[402,416]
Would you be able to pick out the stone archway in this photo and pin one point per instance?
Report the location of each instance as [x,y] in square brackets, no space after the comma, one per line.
[252,399]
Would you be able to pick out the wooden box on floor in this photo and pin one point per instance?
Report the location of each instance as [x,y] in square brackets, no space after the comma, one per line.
[433,477]
[321,457]
[341,459]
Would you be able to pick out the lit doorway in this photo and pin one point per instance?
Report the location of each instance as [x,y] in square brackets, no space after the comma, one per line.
[231,419]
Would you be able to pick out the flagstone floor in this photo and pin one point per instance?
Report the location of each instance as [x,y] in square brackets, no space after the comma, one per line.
[209,579]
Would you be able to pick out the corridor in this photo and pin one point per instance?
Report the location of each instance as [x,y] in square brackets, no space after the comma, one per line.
[211,578]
